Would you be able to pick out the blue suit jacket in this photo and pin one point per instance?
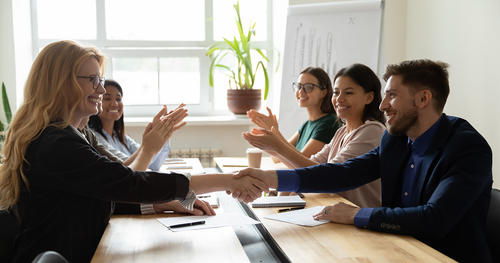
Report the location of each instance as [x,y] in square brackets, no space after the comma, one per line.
[454,188]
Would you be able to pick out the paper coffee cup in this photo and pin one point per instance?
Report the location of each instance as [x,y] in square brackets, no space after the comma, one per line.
[254,156]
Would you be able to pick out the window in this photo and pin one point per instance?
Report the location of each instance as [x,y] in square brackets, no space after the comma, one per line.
[155,48]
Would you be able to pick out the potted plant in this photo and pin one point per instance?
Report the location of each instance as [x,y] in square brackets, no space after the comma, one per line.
[8,117]
[241,95]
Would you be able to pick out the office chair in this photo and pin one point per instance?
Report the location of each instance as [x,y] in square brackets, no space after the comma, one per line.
[8,231]
[49,257]
[493,225]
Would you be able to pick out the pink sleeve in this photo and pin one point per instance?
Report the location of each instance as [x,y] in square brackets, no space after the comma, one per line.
[322,155]
[362,141]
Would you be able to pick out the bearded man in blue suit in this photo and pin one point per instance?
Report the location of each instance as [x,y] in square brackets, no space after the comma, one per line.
[435,169]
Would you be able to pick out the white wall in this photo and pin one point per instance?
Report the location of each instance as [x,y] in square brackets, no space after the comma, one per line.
[465,34]
[7,62]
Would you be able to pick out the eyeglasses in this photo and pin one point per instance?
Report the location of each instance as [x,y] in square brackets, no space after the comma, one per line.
[307,87]
[96,80]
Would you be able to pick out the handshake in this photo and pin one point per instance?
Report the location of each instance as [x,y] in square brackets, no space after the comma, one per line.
[248,184]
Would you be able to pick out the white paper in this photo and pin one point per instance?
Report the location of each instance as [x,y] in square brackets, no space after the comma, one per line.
[278,201]
[174,167]
[212,199]
[176,162]
[173,160]
[302,217]
[220,220]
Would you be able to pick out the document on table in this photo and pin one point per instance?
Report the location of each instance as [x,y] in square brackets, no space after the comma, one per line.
[212,199]
[175,161]
[220,220]
[278,201]
[302,217]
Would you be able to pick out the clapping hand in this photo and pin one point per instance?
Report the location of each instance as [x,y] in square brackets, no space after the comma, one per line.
[262,120]
[176,116]
[266,140]
[162,127]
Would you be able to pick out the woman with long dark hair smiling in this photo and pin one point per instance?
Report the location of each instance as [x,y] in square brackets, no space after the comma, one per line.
[356,96]
[313,91]
[109,128]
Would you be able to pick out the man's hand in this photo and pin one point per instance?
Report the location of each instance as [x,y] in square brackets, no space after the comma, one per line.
[338,213]
[268,177]
[246,188]
[200,208]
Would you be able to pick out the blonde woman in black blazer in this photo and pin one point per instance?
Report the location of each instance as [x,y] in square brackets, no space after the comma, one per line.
[62,187]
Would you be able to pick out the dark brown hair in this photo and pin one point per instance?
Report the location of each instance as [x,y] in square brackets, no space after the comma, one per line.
[119,126]
[424,74]
[324,83]
[368,80]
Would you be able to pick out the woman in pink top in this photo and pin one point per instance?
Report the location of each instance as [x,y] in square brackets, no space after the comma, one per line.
[356,96]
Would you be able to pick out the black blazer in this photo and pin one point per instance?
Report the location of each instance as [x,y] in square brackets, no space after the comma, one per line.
[454,188]
[67,204]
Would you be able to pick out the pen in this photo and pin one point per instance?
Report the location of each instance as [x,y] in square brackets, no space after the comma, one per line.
[290,209]
[188,224]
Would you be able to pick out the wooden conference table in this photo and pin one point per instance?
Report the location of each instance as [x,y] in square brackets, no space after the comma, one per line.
[143,239]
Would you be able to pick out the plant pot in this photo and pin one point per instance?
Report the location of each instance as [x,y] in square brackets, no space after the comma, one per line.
[240,101]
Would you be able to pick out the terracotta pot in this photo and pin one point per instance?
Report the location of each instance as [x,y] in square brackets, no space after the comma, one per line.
[240,101]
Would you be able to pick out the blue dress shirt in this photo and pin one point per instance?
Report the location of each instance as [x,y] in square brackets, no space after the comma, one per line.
[288,180]
[410,176]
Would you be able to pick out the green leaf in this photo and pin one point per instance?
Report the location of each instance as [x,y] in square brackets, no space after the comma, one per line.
[2,127]
[244,41]
[215,60]
[228,69]
[279,61]
[6,105]
[262,54]
[266,78]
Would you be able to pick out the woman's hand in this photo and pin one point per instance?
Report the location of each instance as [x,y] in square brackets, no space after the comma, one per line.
[200,208]
[266,140]
[338,213]
[161,128]
[247,188]
[176,117]
[275,159]
[262,120]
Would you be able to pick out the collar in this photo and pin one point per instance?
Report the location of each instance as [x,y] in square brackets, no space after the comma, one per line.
[422,143]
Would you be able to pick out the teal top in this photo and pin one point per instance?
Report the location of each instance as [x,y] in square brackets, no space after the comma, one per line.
[321,129]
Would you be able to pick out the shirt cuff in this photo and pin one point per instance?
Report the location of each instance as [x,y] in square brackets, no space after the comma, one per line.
[188,202]
[362,218]
[288,180]
[147,209]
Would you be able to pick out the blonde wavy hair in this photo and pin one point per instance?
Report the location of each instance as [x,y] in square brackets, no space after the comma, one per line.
[51,96]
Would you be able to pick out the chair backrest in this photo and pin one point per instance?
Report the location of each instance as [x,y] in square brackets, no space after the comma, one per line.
[493,225]
[49,257]
[8,232]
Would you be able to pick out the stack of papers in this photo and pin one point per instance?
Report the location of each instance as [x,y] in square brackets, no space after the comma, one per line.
[176,163]
[302,217]
[278,201]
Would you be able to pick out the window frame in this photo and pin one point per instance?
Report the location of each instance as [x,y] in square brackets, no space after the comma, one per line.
[154,48]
